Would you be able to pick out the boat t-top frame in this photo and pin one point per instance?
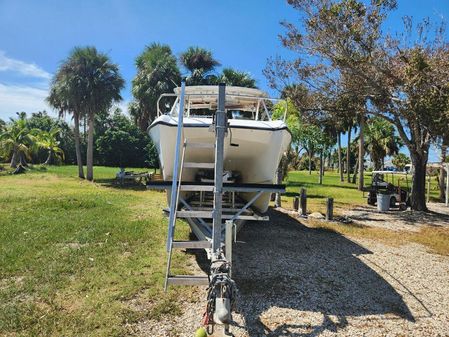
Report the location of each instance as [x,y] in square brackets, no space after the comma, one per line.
[237,98]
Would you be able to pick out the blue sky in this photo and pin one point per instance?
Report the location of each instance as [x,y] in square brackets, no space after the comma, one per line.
[35,36]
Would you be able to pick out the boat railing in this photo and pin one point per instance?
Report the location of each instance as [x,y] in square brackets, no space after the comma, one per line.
[261,102]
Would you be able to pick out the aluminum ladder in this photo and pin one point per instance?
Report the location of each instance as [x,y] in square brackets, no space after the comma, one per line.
[178,166]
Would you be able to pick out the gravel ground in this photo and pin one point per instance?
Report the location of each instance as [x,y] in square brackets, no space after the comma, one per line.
[400,220]
[300,281]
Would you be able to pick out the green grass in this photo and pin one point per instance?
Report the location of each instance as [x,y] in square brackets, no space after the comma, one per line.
[73,253]
[345,194]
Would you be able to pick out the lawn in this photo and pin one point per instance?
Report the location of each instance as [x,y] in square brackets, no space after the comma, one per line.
[73,253]
[345,194]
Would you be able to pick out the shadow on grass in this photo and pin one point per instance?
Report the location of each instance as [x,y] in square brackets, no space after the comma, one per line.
[309,196]
[282,265]
[7,170]
[127,185]
[324,185]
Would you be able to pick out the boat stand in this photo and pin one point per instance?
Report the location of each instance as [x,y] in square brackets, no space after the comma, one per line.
[214,213]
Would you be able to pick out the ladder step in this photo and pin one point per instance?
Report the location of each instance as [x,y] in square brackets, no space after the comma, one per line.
[224,209]
[197,188]
[201,145]
[194,214]
[188,280]
[211,204]
[192,244]
[199,165]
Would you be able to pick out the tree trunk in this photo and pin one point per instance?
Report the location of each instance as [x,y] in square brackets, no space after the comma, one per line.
[356,169]
[329,161]
[281,172]
[377,162]
[23,160]
[310,163]
[15,158]
[49,158]
[277,200]
[90,149]
[348,156]
[418,195]
[340,163]
[361,152]
[442,181]
[76,132]
[84,129]
[320,181]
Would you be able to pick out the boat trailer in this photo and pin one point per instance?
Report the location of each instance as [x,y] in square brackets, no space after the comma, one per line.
[214,212]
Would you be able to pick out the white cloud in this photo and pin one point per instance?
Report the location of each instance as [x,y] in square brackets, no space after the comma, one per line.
[16,98]
[123,105]
[26,69]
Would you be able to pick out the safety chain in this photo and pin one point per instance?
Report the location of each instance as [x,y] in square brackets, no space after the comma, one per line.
[220,286]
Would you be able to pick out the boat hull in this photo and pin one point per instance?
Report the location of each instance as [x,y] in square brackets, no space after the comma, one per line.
[252,148]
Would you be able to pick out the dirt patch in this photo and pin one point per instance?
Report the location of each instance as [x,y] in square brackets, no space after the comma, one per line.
[16,281]
[400,220]
[301,281]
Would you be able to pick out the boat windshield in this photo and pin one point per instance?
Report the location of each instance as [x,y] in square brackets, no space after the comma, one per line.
[209,113]
[241,114]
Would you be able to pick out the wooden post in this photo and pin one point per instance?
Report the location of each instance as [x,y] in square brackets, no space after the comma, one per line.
[296,203]
[428,189]
[447,184]
[329,209]
[303,201]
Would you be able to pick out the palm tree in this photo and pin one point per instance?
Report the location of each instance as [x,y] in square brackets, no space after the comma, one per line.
[200,63]
[157,73]
[65,99]
[237,78]
[90,83]
[381,141]
[17,140]
[48,141]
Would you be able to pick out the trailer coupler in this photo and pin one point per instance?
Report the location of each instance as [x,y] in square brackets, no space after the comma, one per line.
[221,296]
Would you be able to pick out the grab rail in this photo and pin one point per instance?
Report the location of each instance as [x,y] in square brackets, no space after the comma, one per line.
[176,169]
[257,99]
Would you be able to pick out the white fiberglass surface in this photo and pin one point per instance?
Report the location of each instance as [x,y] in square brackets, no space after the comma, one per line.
[233,122]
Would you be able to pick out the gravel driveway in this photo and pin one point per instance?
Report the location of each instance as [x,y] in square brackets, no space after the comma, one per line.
[400,220]
[300,281]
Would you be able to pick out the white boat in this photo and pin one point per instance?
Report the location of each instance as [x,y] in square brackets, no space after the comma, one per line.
[254,144]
